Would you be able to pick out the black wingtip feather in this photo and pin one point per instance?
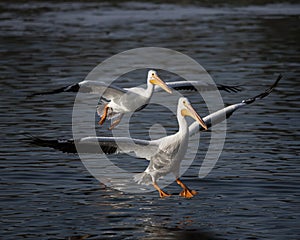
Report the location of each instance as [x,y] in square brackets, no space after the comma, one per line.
[265,93]
[220,87]
[229,89]
[62,145]
[70,88]
[69,145]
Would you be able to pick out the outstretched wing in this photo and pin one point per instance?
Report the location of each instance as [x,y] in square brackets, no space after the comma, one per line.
[92,87]
[106,145]
[221,115]
[199,86]
[108,91]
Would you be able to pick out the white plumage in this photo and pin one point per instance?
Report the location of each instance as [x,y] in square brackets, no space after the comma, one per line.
[128,100]
[165,154]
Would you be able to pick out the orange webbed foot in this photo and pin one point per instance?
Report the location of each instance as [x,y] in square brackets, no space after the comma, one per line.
[115,123]
[163,194]
[104,115]
[187,193]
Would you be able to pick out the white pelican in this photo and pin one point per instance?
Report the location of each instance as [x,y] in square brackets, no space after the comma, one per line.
[115,101]
[96,87]
[130,100]
[170,152]
[165,154]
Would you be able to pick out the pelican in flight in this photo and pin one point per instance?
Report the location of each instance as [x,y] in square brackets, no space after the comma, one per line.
[115,101]
[130,100]
[165,154]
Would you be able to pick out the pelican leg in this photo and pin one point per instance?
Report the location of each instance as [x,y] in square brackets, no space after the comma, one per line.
[116,122]
[186,192]
[104,115]
[162,194]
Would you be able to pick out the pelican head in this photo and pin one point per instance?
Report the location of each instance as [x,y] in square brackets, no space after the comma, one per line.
[188,110]
[155,80]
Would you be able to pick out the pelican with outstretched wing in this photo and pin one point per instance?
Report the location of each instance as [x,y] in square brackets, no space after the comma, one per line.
[97,87]
[165,154]
[115,101]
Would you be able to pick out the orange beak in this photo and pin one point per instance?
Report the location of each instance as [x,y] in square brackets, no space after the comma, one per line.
[155,80]
[190,111]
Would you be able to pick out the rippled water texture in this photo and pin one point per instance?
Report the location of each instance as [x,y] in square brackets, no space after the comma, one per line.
[253,191]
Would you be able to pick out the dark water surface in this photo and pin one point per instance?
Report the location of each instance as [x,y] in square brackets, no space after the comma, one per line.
[253,191]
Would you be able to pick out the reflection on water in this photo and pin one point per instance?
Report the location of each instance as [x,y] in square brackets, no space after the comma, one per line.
[252,192]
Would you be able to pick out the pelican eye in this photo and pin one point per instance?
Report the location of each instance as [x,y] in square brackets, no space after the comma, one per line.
[152,74]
